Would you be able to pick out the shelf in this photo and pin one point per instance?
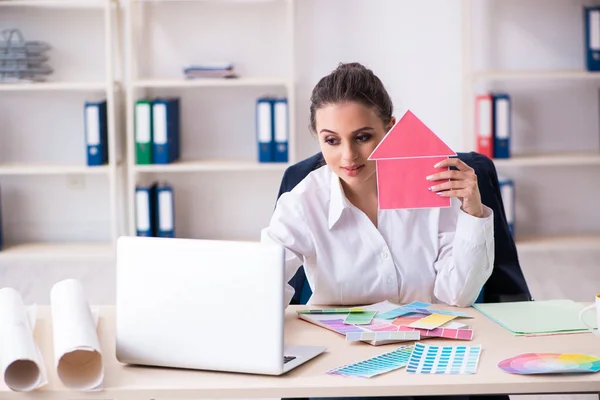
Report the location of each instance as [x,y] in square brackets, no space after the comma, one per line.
[537,75]
[211,165]
[557,159]
[205,1]
[558,243]
[51,169]
[57,250]
[92,4]
[53,86]
[209,82]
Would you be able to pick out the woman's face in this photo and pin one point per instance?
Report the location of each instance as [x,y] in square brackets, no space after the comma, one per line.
[348,133]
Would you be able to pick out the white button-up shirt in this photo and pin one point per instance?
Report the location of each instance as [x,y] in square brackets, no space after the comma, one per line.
[433,255]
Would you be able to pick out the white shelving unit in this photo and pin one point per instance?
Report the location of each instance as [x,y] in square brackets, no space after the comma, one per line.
[547,160]
[56,246]
[144,79]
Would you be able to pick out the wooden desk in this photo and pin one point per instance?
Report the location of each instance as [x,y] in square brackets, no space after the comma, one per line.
[126,382]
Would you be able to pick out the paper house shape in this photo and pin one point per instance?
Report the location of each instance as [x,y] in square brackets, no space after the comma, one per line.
[404,158]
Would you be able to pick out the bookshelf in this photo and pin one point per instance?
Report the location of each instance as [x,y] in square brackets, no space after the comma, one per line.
[218,170]
[537,168]
[43,170]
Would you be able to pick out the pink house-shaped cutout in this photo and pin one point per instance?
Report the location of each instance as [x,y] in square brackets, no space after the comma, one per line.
[404,158]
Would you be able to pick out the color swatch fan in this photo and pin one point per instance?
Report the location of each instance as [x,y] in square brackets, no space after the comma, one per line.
[550,363]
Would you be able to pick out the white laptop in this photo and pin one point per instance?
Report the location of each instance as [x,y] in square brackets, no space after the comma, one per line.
[203,304]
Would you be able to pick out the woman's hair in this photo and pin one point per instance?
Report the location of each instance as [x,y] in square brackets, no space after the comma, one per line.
[351,82]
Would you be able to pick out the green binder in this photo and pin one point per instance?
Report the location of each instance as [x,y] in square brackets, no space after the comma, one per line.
[143,132]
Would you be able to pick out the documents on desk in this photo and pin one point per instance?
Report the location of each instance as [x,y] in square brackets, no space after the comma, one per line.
[22,364]
[77,353]
[392,323]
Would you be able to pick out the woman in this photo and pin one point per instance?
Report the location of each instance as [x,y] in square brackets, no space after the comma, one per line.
[352,252]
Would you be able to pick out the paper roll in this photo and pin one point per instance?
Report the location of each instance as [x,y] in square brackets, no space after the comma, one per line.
[77,353]
[20,358]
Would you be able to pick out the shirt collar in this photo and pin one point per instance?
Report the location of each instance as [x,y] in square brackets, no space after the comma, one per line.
[337,200]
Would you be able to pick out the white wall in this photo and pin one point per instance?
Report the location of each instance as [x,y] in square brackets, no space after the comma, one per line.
[414,46]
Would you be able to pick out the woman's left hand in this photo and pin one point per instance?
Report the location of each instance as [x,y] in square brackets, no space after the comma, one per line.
[462,184]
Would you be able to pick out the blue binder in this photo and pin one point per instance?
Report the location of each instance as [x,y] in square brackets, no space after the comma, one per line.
[166,130]
[0,219]
[265,128]
[145,210]
[507,191]
[96,132]
[591,17]
[280,130]
[502,125]
[166,211]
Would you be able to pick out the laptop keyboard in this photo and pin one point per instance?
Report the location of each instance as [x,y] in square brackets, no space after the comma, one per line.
[288,359]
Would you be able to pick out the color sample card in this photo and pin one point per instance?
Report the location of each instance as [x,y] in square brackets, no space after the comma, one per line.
[396,312]
[455,313]
[447,333]
[432,321]
[332,311]
[380,364]
[339,326]
[444,359]
[417,304]
[407,319]
[361,318]
[550,363]
[380,326]
[378,336]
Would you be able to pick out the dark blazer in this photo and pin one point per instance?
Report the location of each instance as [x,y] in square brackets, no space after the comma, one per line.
[506,282]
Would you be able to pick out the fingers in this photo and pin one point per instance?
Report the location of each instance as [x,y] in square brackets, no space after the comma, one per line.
[460,193]
[453,162]
[462,184]
[451,174]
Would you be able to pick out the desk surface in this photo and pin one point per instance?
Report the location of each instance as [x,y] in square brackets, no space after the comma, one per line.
[309,380]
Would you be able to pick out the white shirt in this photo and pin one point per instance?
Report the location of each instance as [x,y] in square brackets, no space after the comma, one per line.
[433,255]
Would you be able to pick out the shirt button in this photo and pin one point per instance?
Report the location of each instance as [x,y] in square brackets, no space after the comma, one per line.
[390,281]
[384,255]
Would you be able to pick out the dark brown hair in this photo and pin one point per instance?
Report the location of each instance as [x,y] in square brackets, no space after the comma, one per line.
[351,82]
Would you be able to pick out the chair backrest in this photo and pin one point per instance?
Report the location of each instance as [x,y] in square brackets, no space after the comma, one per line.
[507,282]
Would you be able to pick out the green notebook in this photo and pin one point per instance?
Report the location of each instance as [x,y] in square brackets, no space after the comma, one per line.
[538,317]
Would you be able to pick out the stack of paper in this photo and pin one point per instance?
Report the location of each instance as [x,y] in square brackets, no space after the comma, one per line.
[538,317]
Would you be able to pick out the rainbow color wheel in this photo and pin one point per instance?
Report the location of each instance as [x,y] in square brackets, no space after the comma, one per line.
[550,363]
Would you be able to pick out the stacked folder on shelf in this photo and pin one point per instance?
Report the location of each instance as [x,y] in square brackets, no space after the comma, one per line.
[217,70]
[155,210]
[493,124]
[157,130]
[272,129]
[22,60]
[96,132]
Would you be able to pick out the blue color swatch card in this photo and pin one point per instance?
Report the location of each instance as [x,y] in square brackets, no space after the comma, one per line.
[444,359]
[380,364]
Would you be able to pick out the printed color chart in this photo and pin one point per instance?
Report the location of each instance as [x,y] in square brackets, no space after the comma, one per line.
[380,364]
[444,359]
[460,334]
[339,326]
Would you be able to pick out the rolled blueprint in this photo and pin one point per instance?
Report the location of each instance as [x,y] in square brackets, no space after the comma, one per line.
[77,353]
[20,358]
